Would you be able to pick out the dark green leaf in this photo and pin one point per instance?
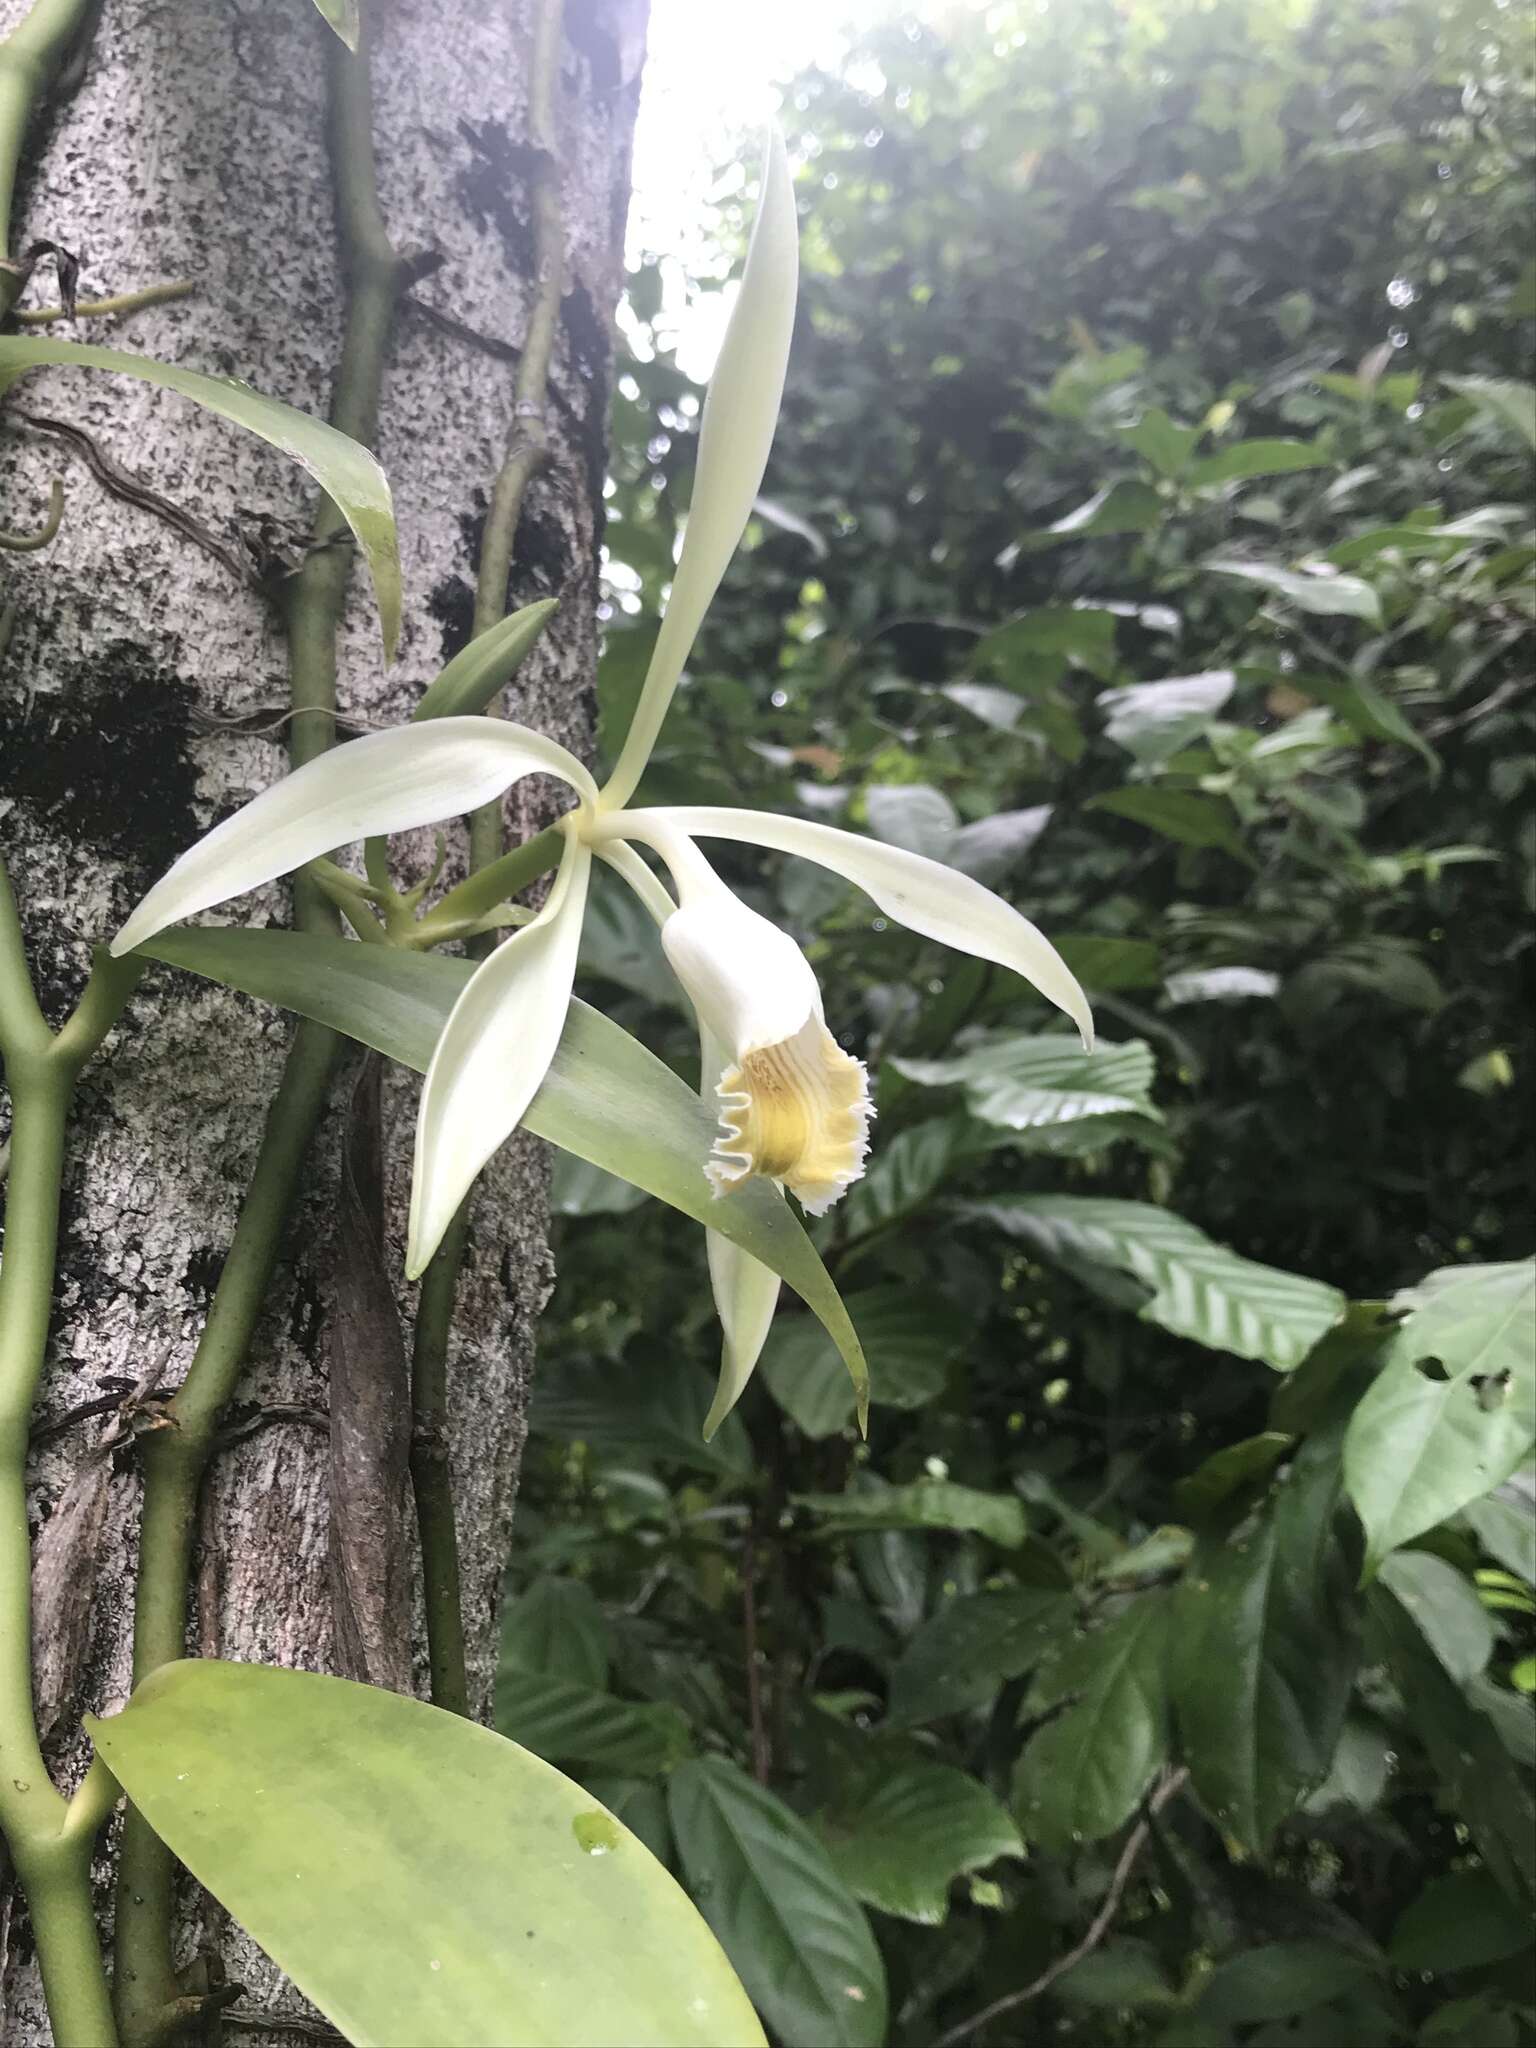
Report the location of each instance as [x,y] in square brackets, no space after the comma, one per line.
[1264,1653]
[1458,1922]
[1178,814]
[965,1651]
[1445,1607]
[1254,458]
[922,1504]
[915,1828]
[1082,1774]
[1198,1289]
[783,1915]
[557,1627]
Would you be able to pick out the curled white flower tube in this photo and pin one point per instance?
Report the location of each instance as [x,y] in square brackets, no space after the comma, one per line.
[794,1107]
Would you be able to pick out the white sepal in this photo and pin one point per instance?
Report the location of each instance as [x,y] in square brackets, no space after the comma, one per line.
[746,1291]
[735,435]
[936,901]
[384,782]
[493,1054]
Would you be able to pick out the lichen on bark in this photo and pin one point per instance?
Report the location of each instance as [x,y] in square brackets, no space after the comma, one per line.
[140,698]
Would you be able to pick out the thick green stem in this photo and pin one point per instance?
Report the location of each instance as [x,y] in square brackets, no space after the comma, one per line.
[431,1476]
[52,1858]
[30,58]
[56,1877]
[176,1458]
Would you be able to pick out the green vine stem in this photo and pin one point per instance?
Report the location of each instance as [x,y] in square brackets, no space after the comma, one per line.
[176,1458]
[492,875]
[49,1844]
[118,307]
[30,58]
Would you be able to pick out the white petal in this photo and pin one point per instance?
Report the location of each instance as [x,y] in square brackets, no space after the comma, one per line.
[746,1295]
[746,1291]
[920,893]
[735,436]
[494,1052]
[385,782]
[750,983]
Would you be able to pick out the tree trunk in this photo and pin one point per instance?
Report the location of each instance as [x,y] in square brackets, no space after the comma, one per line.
[139,701]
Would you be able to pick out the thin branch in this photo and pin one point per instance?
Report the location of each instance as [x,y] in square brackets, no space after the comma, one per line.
[1169,1787]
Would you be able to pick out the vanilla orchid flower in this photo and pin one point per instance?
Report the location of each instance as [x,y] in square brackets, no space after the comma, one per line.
[793,1106]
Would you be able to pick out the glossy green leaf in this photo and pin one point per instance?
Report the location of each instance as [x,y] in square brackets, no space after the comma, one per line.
[1083,633]
[1452,1412]
[605,1097]
[343,469]
[1105,964]
[557,1627]
[1198,1289]
[922,1504]
[1460,1921]
[651,1409]
[1279,1980]
[1325,595]
[1166,445]
[487,664]
[1505,1525]
[344,17]
[902,1174]
[1124,507]
[1264,1653]
[909,1831]
[1081,1775]
[425,1882]
[783,1915]
[913,816]
[970,1646]
[1123,1974]
[1152,721]
[1254,458]
[908,1339]
[1178,814]
[1225,1472]
[1480,1781]
[1504,399]
[1444,1607]
[1027,1084]
[566,1722]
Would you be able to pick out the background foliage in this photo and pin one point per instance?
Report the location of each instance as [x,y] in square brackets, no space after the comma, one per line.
[1151,535]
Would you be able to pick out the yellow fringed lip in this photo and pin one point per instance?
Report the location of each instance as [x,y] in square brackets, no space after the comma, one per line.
[797,1112]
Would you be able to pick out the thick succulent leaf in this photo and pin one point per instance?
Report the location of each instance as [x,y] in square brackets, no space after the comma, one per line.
[494,1052]
[784,1916]
[426,1883]
[1081,1774]
[478,671]
[1264,1653]
[339,465]
[604,1098]
[1199,1289]
[935,901]
[344,17]
[384,782]
[1452,1412]
[740,413]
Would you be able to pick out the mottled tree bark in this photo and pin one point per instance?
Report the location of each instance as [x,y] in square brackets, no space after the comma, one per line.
[139,700]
